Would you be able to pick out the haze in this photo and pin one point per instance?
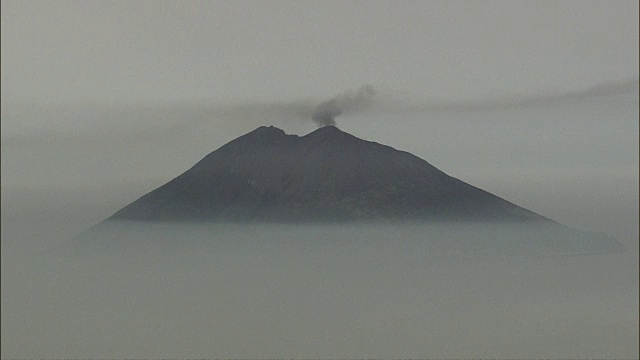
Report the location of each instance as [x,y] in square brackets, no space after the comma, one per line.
[104,102]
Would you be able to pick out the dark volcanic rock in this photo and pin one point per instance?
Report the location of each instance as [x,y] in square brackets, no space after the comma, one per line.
[327,175]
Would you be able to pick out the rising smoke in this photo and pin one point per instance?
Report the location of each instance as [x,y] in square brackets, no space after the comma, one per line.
[325,114]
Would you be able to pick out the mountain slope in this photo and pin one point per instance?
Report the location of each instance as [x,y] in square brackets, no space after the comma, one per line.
[327,175]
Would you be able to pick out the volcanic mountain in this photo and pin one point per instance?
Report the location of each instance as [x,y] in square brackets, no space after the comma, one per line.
[325,176]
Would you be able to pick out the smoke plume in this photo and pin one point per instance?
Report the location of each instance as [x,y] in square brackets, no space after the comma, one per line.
[325,114]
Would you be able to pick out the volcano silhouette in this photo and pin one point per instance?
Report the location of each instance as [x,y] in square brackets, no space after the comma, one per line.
[325,176]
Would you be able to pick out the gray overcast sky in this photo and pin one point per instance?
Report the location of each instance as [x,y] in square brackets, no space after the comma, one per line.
[74,52]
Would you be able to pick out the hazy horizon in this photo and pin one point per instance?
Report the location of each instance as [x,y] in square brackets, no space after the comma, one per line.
[72,52]
[103,102]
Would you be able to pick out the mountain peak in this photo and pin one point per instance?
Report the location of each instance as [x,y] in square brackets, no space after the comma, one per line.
[267,131]
[328,129]
[261,136]
[326,175]
[273,131]
[267,176]
[330,134]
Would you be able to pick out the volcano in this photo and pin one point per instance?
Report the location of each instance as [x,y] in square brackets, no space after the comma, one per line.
[327,175]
